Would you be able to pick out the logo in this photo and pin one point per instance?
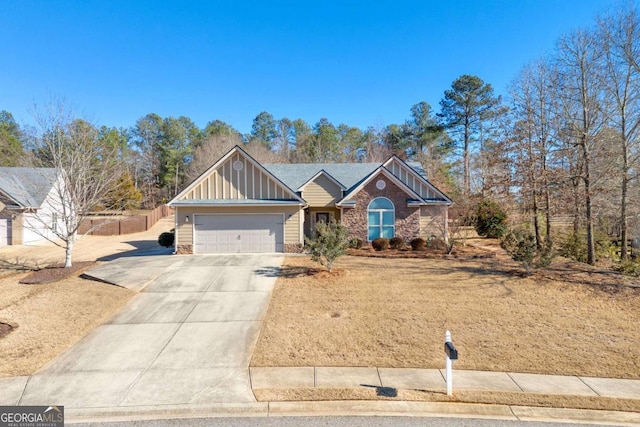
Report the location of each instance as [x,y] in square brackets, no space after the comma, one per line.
[31,416]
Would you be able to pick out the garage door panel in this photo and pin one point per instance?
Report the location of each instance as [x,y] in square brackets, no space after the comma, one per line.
[239,233]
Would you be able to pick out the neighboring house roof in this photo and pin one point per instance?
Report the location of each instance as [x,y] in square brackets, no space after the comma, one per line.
[27,187]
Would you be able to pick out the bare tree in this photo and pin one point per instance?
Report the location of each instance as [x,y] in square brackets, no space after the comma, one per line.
[209,151]
[87,169]
[621,38]
[212,148]
[578,58]
[535,122]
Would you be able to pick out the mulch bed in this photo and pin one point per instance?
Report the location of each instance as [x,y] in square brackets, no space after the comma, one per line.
[55,272]
[5,329]
[429,253]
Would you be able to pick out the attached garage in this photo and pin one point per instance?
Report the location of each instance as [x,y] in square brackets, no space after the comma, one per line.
[238,233]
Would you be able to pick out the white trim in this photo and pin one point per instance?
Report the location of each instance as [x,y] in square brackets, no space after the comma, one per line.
[234,205]
[282,214]
[409,169]
[325,173]
[245,178]
[381,212]
[176,217]
[301,215]
[389,175]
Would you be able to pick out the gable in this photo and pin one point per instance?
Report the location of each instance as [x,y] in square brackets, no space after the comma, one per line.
[348,198]
[322,190]
[413,180]
[236,176]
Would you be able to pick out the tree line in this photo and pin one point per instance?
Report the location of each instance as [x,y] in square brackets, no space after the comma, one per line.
[563,144]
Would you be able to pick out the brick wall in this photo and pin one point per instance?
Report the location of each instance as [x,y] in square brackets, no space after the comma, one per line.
[407,219]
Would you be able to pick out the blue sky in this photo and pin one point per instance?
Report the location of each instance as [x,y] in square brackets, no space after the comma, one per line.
[363,63]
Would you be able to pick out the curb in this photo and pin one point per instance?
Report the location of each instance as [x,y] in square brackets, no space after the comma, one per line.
[353,408]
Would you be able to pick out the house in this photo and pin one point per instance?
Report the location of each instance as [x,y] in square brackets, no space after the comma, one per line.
[28,211]
[240,205]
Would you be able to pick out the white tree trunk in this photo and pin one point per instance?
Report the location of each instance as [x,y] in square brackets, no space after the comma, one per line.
[68,251]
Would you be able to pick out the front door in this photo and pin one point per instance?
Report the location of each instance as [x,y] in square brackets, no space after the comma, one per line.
[322,217]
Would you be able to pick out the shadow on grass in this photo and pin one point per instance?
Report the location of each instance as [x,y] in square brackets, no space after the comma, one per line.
[19,264]
[577,273]
[142,248]
[383,391]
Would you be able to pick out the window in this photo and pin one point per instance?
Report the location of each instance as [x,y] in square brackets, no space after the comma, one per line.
[381,218]
[54,222]
[322,217]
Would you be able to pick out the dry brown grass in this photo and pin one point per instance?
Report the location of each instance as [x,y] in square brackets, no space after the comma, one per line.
[47,319]
[568,320]
[461,396]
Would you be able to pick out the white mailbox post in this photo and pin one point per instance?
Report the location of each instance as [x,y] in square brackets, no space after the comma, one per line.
[451,355]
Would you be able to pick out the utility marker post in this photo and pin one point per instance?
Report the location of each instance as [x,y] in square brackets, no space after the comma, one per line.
[452,354]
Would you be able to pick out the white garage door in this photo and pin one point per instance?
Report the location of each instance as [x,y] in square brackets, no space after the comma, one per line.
[5,231]
[238,233]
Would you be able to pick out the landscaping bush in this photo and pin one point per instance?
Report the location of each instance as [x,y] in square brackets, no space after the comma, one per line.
[418,244]
[380,244]
[574,246]
[356,243]
[329,243]
[521,246]
[490,220]
[436,243]
[396,243]
[629,268]
[166,239]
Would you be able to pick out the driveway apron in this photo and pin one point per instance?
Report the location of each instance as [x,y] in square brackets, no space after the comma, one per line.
[186,338]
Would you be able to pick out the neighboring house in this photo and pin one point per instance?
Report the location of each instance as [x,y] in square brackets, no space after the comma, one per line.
[240,205]
[28,205]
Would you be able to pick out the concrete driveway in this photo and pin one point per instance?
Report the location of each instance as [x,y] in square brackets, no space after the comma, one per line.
[186,338]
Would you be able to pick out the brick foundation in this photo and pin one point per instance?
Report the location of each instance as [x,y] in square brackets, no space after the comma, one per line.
[184,249]
[407,219]
[293,248]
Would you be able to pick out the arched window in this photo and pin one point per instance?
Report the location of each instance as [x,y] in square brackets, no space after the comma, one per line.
[381,218]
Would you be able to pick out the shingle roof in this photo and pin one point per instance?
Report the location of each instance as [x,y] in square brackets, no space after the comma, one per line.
[294,175]
[27,186]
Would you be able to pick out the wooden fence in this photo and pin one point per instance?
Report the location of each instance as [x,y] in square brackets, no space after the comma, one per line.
[128,225]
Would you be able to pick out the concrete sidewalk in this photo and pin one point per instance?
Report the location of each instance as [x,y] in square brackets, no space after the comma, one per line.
[434,380]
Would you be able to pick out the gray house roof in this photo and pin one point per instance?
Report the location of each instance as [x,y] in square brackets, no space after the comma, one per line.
[28,187]
[348,174]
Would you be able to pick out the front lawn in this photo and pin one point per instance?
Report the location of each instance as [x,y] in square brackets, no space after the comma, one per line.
[568,320]
[47,319]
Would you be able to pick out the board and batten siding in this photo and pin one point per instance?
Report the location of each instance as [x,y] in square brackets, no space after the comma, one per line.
[404,174]
[321,192]
[247,182]
[432,221]
[184,230]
